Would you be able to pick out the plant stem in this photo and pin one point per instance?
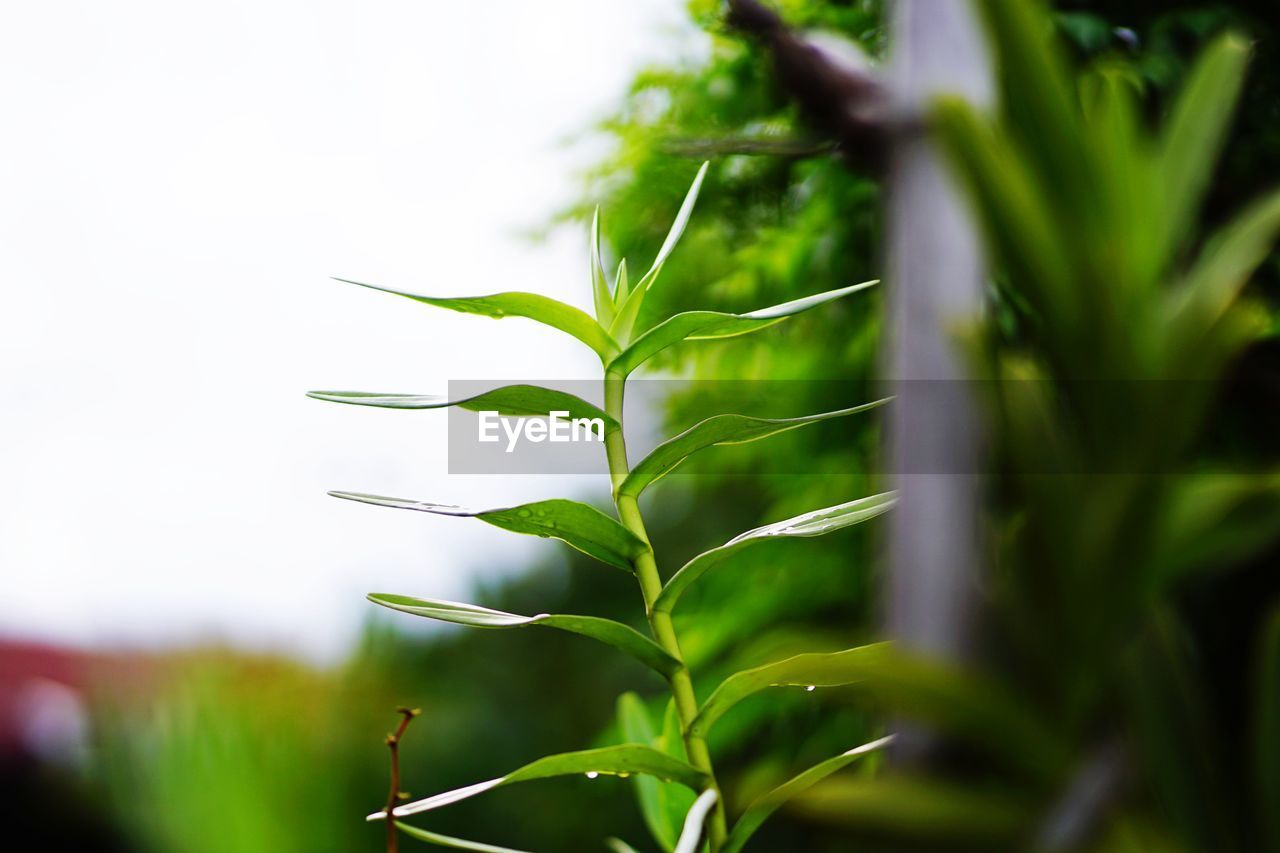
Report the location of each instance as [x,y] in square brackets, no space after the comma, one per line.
[660,624]
[393,796]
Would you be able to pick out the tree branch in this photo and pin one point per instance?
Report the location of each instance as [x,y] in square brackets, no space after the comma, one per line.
[839,91]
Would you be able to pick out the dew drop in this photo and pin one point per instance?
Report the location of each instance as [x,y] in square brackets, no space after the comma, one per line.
[591,774]
[524,513]
[811,688]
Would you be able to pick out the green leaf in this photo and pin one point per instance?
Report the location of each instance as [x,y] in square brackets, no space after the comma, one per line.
[1225,265]
[967,706]
[1193,136]
[1040,101]
[629,302]
[622,637]
[1017,219]
[1216,520]
[449,841]
[626,760]
[509,400]
[542,309]
[717,430]
[636,727]
[600,294]
[617,845]
[766,804]
[691,834]
[621,287]
[815,523]
[946,814]
[576,524]
[680,222]
[809,670]
[710,325]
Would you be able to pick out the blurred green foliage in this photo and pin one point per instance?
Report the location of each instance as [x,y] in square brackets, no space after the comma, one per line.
[213,751]
[1108,505]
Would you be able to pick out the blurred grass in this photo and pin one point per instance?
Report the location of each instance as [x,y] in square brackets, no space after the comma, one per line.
[223,752]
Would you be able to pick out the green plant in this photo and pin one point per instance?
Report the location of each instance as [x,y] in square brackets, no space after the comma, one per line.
[206,751]
[1111,513]
[679,756]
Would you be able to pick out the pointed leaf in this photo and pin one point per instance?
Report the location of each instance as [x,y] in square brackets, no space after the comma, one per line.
[1197,126]
[709,325]
[629,303]
[449,841]
[809,670]
[622,637]
[766,804]
[534,306]
[624,321]
[600,294]
[1045,111]
[721,429]
[967,706]
[815,523]
[509,400]
[1215,521]
[1017,218]
[621,285]
[625,760]
[633,719]
[681,220]
[691,835]
[947,815]
[576,524]
[617,845]
[1227,262]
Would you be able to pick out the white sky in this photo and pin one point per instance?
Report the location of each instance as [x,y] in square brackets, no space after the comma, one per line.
[177,182]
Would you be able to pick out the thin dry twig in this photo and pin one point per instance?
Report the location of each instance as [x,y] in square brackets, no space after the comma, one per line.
[395,795]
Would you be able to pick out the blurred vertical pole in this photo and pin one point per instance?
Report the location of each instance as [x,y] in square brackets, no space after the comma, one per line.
[935,277]
[935,274]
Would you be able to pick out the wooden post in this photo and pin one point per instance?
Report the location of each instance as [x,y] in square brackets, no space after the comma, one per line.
[935,278]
